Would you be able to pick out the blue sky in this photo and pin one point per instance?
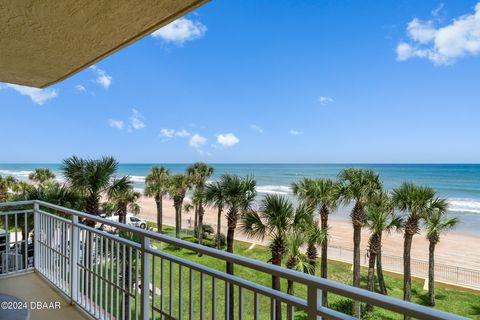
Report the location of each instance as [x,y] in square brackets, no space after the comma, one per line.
[265,81]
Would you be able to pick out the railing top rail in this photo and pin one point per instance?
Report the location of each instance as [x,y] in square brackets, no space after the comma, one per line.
[16,203]
[379,300]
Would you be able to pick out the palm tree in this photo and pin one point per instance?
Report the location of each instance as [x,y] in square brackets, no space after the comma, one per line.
[379,218]
[296,260]
[91,177]
[436,222]
[275,219]
[197,197]
[156,185]
[416,202]
[122,198]
[41,175]
[320,194]
[239,195]
[199,173]
[54,193]
[7,183]
[214,195]
[358,186]
[22,187]
[177,188]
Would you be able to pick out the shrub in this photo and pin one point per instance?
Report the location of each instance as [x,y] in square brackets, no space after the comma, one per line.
[208,229]
[220,237]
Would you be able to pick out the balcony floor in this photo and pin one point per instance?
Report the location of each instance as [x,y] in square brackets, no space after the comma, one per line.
[32,288]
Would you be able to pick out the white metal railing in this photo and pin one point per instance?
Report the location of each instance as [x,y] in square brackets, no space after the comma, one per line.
[419,268]
[130,277]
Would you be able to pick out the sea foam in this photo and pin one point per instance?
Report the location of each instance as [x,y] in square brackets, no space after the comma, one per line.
[464,205]
[274,189]
[17,174]
[137,178]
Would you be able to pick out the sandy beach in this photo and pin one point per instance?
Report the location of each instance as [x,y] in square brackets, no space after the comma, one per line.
[455,248]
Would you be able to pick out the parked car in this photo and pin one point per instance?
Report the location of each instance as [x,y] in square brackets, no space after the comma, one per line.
[132,220]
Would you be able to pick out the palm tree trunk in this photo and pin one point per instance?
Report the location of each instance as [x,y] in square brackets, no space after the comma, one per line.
[158,201]
[180,215]
[290,264]
[178,208]
[373,250]
[200,224]
[371,276]
[324,261]
[312,257]
[407,274]
[195,221]
[381,279]
[92,207]
[219,219]
[357,220]
[3,196]
[431,273]
[122,215]
[277,305]
[232,224]
[290,289]
[201,212]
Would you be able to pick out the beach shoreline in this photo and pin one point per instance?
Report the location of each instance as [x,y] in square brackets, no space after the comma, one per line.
[455,248]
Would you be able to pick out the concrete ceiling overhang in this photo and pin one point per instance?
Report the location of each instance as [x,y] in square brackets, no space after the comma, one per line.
[47,41]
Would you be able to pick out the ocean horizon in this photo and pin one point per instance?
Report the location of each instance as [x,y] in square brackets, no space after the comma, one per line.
[459,183]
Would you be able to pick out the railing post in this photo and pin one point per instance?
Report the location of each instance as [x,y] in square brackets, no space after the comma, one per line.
[36,236]
[74,243]
[145,293]
[314,302]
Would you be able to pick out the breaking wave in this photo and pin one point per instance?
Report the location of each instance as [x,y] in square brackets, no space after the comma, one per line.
[22,174]
[273,189]
[138,178]
[464,205]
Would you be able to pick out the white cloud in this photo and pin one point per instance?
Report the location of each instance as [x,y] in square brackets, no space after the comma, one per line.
[171,133]
[103,78]
[196,141]
[256,128]
[295,132]
[136,120]
[180,31]
[118,124]
[442,45]
[404,51]
[227,139]
[38,96]
[167,133]
[182,133]
[325,100]
[437,10]
[80,88]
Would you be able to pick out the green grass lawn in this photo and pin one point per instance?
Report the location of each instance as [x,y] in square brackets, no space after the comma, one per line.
[454,301]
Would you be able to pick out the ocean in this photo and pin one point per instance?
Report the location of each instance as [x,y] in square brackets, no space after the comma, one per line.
[460,183]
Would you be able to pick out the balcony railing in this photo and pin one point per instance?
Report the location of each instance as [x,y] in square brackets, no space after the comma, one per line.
[129,276]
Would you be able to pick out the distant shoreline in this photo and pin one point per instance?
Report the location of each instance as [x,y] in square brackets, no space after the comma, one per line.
[460,183]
